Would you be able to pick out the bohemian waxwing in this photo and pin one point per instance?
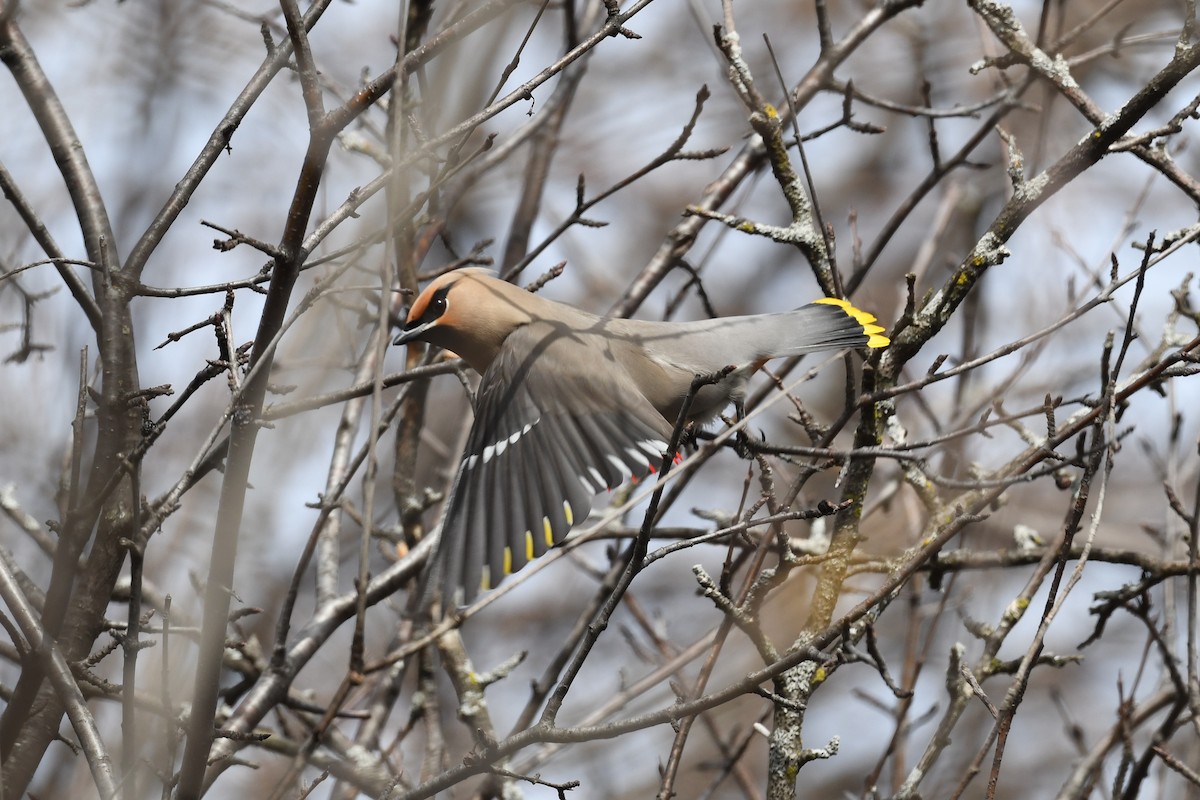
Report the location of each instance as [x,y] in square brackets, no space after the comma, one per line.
[571,404]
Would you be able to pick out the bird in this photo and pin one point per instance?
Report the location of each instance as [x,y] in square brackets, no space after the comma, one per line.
[571,404]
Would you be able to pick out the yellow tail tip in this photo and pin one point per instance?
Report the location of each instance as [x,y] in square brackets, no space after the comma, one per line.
[875,337]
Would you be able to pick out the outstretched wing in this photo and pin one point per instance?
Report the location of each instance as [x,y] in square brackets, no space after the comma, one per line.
[552,429]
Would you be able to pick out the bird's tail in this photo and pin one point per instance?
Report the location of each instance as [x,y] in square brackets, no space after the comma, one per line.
[850,326]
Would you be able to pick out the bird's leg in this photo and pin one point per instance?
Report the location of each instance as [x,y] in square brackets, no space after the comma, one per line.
[741,441]
[688,437]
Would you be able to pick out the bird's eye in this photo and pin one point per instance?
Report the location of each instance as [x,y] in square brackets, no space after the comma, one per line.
[438,303]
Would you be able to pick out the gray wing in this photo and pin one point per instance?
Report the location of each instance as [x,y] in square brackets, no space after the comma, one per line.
[552,429]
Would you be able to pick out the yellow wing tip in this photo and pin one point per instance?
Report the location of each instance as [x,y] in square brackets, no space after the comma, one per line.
[875,337]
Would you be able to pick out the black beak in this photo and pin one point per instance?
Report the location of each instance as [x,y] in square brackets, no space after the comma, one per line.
[412,331]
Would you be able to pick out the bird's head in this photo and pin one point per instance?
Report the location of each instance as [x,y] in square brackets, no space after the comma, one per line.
[469,312]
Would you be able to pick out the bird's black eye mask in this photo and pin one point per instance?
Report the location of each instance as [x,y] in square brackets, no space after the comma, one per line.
[434,309]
